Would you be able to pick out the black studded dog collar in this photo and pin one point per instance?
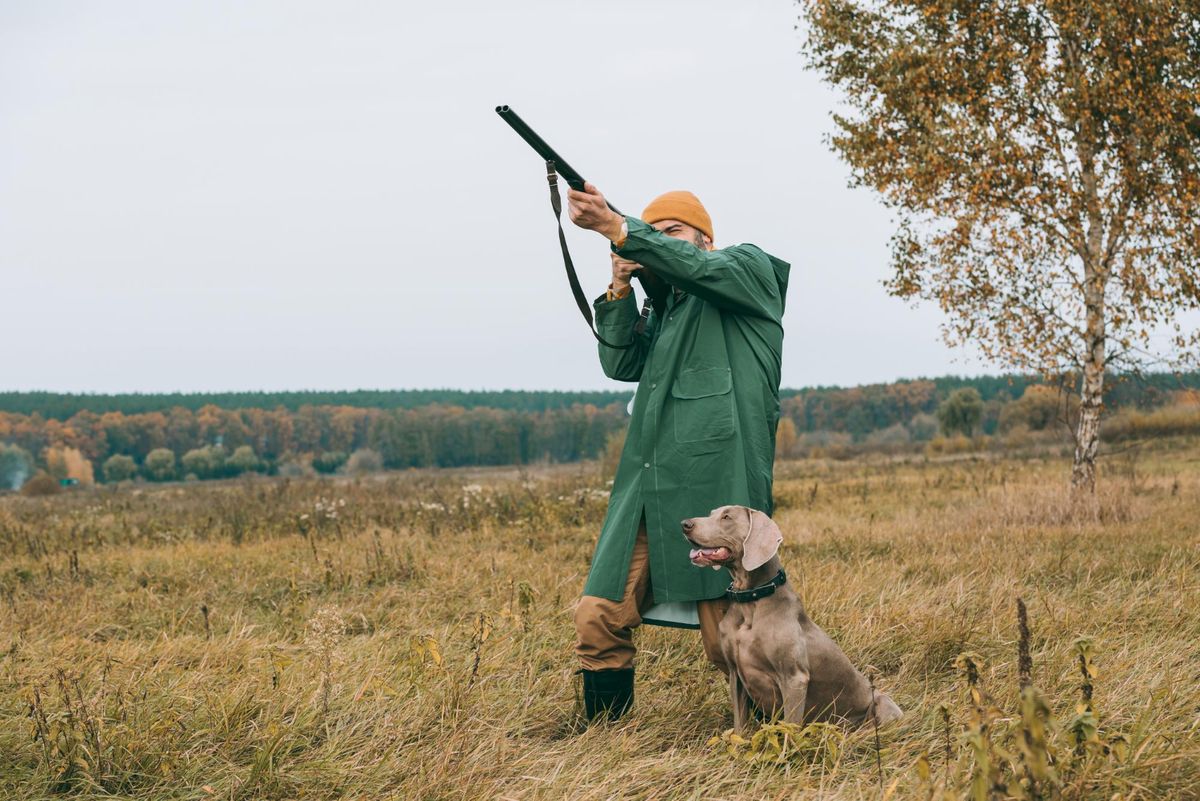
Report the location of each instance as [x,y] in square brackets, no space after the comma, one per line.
[756,593]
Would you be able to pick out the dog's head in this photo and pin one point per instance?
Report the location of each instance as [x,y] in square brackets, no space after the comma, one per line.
[732,536]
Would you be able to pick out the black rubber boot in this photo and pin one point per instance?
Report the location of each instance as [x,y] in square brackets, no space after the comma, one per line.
[607,693]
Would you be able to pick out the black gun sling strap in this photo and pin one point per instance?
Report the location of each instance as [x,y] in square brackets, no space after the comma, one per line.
[581,300]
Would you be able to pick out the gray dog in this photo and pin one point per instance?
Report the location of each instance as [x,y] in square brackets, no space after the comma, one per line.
[777,656]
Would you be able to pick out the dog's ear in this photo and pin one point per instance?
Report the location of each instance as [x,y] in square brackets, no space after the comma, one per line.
[762,542]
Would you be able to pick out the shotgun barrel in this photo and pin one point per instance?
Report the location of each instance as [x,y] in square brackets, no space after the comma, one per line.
[573,178]
[654,286]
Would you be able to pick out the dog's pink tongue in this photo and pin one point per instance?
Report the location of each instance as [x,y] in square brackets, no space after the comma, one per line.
[709,554]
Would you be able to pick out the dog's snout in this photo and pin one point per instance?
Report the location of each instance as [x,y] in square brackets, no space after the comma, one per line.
[688,525]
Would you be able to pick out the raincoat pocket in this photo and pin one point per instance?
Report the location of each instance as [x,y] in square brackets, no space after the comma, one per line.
[703,408]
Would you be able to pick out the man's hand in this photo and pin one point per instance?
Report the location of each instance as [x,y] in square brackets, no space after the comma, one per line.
[622,272]
[587,209]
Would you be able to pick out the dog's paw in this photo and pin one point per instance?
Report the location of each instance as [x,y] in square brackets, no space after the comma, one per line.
[886,710]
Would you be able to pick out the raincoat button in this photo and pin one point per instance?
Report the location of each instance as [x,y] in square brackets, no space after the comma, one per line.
[647,464]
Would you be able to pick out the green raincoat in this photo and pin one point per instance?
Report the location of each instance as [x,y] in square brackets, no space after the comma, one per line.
[702,432]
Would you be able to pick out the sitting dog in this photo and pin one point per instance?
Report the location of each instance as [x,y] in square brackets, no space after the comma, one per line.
[777,656]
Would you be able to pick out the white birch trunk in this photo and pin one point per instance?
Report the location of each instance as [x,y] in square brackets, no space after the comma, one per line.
[1087,434]
[1095,280]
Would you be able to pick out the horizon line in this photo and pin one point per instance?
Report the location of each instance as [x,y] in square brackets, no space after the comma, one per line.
[632,386]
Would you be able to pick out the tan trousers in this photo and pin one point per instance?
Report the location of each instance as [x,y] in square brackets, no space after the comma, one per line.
[605,628]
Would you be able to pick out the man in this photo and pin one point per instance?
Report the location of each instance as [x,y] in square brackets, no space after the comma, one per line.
[702,431]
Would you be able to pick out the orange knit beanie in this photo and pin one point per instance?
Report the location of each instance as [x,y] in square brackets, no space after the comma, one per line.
[682,206]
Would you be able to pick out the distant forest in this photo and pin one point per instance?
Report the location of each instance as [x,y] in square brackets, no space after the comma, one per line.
[60,406]
[1142,391]
[210,435]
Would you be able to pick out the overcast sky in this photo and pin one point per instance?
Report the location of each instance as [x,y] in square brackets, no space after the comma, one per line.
[285,195]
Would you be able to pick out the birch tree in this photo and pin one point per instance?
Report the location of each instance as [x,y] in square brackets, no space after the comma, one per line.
[1040,158]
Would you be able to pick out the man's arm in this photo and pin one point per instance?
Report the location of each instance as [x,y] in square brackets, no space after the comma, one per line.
[741,278]
[616,316]
[615,321]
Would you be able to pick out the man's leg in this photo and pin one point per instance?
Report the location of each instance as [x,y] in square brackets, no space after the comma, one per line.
[604,641]
[710,613]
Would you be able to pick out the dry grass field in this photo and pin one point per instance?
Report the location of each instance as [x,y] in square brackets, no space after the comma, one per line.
[409,637]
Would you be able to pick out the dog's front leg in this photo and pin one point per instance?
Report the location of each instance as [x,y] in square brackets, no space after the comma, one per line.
[795,693]
[740,701]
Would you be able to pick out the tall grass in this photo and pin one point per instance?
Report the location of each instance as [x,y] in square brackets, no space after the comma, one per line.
[410,637]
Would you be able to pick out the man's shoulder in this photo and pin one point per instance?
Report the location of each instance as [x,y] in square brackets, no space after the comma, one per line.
[748,249]
[751,253]
[762,262]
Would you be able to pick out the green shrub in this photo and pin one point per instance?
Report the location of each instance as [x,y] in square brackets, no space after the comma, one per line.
[961,412]
[206,462]
[243,460]
[159,465]
[329,461]
[119,467]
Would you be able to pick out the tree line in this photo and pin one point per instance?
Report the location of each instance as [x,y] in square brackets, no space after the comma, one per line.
[203,443]
[61,406]
[861,411]
[885,401]
[216,442]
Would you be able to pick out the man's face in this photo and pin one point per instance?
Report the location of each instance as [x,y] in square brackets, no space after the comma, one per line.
[680,230]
